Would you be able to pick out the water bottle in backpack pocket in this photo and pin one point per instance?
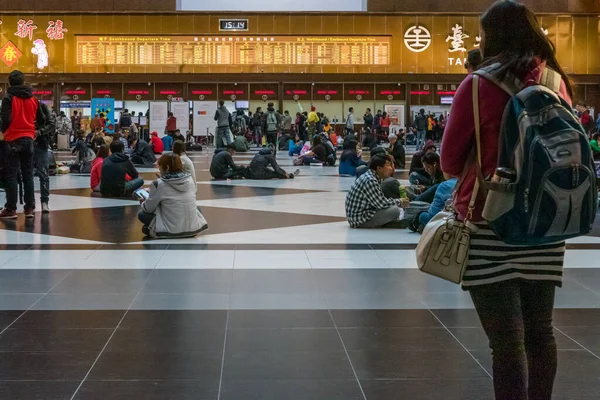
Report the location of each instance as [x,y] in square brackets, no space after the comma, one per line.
[553,196]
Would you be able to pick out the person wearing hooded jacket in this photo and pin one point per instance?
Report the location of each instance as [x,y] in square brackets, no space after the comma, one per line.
[20,116]
[157,144]
[116,169]
[264,166]
[170,211]
[271,123]
[223,118]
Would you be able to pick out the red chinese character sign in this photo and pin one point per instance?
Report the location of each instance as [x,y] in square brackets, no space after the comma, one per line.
[56,30]
[10,54]
[25,28]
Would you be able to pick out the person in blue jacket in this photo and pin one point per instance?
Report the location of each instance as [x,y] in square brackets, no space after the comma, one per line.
[442,195]
[351,159]
[294,146]
[167,142]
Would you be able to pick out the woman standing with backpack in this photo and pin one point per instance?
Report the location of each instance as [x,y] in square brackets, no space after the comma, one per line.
[512,287]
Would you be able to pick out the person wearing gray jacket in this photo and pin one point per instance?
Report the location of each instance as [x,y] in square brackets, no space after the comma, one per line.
[223,118]
[170,210]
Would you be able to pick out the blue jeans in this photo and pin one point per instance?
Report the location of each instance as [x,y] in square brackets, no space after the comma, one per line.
[133,185]
[222,133]
[420,139]
[40,163]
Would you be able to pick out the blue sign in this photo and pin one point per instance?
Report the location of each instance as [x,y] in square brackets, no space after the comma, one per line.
[105,106]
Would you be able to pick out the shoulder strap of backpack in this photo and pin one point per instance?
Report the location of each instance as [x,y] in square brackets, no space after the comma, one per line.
[510,84]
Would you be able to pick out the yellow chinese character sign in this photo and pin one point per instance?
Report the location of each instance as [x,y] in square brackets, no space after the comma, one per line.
[10,54]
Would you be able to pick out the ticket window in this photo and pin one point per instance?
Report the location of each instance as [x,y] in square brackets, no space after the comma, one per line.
[134,108]
[333,110]
[296,98]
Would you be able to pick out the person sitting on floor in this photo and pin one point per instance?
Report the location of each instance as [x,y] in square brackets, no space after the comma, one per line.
[142,154]
[241,144]
[295,146]
[351,159]
[264,166]
[397,151]
[96,176]
[431,165]
[85,156]
[222,165]
[188,165]
[595,146]
[179,136]
[418,175]
[170,210]
[167,142]
[317,154]
[156,143]
[443,193]
[119,176]
[366,205]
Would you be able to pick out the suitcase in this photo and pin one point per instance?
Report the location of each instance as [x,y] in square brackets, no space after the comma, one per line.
[63,142]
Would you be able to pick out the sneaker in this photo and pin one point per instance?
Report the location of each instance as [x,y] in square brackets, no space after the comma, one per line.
[8,214]
[29,213]
[297,172]
[146,230]
[45,208]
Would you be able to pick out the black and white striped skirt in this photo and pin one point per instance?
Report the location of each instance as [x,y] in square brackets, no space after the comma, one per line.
[492,261]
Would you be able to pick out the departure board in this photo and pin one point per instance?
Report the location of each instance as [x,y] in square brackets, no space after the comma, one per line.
[233,50]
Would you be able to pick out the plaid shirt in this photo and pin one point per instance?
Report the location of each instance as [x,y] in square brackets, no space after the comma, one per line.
[365,199]
[125,144]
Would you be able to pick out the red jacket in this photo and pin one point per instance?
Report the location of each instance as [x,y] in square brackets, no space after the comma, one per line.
[20,111]
[459,136]
[171,124]
[96,175]
[157,144]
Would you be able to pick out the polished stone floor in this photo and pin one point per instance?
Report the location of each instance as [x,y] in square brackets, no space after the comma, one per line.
[278,300]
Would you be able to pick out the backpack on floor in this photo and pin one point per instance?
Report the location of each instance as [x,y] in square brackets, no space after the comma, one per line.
[553,197]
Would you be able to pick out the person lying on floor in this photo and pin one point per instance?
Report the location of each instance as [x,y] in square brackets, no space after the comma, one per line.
[351,159]
[142,154]
[367,206]
[96,176]
[442,195]
[418,175]
[119,176]
[264,166]
[223,167]
[170,210]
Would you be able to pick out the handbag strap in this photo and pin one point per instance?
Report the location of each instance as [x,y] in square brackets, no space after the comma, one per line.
[469,215]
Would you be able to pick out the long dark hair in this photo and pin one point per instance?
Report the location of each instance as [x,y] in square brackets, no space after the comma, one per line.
[514,38]
[349,150]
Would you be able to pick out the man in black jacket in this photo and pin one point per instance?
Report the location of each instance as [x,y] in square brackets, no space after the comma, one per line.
[259,167]
[142,154]
[222,165]
[115,170]
[41,146]
[368,118]
[421,124]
